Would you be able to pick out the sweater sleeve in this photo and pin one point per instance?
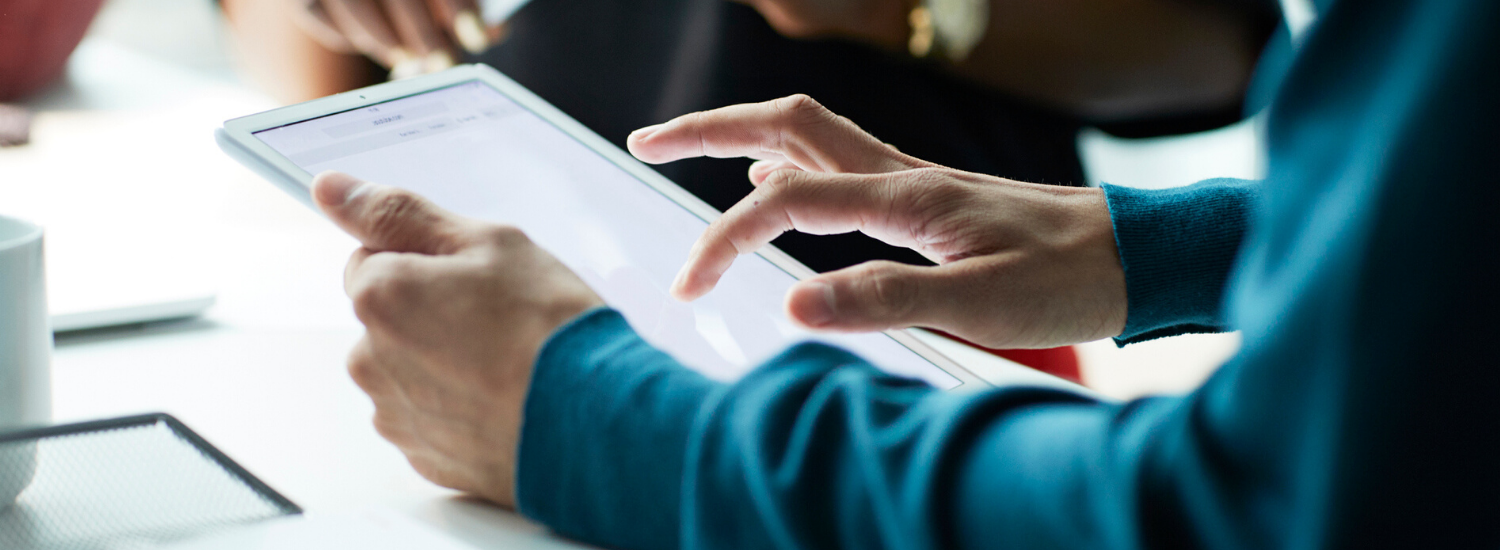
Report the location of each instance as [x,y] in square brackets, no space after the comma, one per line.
[1178,246]
[604,429]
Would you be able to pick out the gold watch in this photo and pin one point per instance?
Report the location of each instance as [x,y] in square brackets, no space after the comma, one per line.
[947,29]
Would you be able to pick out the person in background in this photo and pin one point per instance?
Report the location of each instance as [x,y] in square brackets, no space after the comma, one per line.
[1356,415]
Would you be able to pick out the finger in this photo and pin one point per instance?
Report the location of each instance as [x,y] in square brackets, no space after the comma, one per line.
[795,129]
[464,23]
[387,291]
[413,22]
[441,471]
[388,219]
[395,427]
[312,17]
[365,261]
[351,267]
[873,296]
[789,199]
[364,24]
[761,169]
[445,11]
[366,372]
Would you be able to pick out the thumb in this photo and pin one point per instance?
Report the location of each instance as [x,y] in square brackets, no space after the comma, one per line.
[869,297]
[386,219]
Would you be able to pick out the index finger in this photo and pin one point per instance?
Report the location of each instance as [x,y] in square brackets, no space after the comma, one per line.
[414,24]
[794,129]
[365,26]
[461,18]
[810,202]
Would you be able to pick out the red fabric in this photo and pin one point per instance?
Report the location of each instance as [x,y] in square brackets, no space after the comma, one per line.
[1060,362]
[36,38]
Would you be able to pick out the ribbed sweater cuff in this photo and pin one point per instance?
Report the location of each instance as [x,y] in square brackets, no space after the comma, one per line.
[1178,246]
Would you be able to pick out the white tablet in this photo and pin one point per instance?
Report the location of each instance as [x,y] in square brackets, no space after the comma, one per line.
[479,144]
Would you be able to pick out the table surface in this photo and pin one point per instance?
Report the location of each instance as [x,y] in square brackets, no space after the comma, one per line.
[123,152]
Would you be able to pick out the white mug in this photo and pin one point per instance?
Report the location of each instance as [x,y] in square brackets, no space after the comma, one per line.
[25,350]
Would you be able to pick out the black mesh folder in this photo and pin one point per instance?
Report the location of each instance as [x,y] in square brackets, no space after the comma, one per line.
[122,483]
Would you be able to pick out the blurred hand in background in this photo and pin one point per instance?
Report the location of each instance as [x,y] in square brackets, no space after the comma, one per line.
[410,37]
[303,49]
[1097,59]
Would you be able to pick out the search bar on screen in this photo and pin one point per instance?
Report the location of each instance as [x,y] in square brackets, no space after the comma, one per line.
[384,120]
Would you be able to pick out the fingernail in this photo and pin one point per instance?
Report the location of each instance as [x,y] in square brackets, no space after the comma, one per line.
[400,55]
[336,189]
[404,65]
[643,133]
[761,168]
[819,311]
[470,32]
[437,61]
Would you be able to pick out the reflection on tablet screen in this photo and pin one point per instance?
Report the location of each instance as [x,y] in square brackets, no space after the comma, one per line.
[475,151]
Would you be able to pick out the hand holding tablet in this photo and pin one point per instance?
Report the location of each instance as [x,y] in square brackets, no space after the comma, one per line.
[456,312]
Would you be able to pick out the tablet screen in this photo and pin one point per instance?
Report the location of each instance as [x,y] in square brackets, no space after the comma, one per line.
[475,151]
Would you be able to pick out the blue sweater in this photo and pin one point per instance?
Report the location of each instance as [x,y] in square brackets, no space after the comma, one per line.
[1361,412]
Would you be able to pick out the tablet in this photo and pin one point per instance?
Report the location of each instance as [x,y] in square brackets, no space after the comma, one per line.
[477,143]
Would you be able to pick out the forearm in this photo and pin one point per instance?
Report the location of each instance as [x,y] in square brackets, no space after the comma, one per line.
[284,61]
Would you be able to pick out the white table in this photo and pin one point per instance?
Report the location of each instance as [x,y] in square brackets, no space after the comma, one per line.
[124,152]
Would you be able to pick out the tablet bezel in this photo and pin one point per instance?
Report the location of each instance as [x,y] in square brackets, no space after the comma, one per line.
[237,139]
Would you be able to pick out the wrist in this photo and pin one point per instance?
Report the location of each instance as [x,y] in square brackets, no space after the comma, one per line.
[1099,251]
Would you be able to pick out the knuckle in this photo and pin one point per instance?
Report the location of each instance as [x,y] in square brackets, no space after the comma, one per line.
[892,294]
[796,113]
[369,303]
[362,370]
[505,236]
[695,119]
[931,192]
[782,182]
[390,429]
[385,292]
[801,106]
[390,211]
